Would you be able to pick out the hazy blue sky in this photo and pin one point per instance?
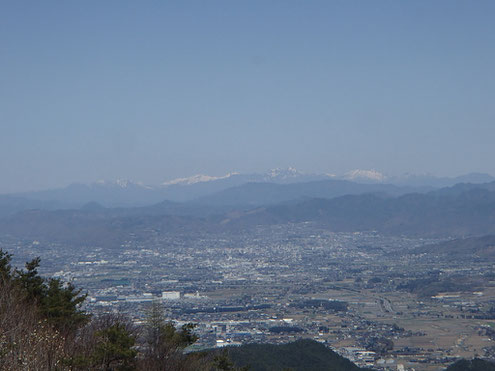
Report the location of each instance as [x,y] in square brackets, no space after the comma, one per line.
[153,90]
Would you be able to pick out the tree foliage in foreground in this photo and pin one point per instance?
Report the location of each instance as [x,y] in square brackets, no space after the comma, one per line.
[57,302]
[43,327]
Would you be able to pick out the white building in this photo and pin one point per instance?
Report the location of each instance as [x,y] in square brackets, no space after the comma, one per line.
[170,295]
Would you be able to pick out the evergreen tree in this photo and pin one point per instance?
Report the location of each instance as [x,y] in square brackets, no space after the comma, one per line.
[162,335]
[61,303]
[58,302]
[114,350]
[30,281]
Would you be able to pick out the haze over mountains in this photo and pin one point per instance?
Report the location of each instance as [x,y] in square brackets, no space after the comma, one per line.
[108,213]
[126,193]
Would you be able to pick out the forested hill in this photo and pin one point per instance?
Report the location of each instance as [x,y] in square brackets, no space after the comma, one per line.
[301,355]
[472,365]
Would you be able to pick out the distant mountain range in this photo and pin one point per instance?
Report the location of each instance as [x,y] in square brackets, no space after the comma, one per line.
[109,212]
[125,193]
[463,210]
[262,194]
[229,189]
[469,213]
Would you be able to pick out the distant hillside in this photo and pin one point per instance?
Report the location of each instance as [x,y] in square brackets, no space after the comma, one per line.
[483,247]
[460,188]
[10,205]
[301,355]
[434,214]
[472,365]
[121,193]
[428,180]
[108,228]
[258,194]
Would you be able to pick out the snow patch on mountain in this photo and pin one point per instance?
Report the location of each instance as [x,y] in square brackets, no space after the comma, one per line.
[199,178]
[120,183]
[283,174]
[368,175]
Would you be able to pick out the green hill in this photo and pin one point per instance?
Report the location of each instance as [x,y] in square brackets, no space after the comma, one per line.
[301,355]
[472,365]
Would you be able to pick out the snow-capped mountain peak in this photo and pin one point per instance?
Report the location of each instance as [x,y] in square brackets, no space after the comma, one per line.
[279,173]
[199,178]
[120,183]
[366,175]
[123,183]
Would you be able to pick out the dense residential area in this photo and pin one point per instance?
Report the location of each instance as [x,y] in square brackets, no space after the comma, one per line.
[382,301]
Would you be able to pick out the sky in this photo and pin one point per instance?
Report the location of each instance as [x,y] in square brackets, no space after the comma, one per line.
[154,90]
